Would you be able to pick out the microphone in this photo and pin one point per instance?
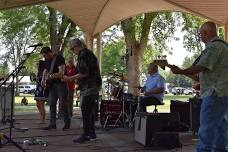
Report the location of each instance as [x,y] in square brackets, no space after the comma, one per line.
[35,45]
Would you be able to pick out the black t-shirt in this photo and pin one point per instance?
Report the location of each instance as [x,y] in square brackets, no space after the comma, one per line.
[58,62]
[88,64]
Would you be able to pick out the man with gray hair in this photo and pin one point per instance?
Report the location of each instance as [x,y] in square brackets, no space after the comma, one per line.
[153,89]
[89,80]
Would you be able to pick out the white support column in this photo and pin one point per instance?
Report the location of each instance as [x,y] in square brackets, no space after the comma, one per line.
[226,33]
[99,48]
[89,41]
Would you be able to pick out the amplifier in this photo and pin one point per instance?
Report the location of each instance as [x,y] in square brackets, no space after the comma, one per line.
[195,106]
[147,124]
[5,103]
[183,108]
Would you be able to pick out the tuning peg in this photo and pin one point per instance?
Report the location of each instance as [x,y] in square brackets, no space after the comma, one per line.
[164,56]
[159,57]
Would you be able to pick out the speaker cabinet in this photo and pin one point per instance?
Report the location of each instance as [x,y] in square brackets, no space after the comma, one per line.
[183,109]
[147,124]
[195,106]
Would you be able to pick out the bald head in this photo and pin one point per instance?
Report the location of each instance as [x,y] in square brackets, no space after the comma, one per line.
[152,68]
[208,31]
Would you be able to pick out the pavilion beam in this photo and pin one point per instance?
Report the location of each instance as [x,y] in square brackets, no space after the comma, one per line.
[99,48]
[226,33]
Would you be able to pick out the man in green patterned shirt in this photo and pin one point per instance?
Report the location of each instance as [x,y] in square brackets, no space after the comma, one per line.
[213,74]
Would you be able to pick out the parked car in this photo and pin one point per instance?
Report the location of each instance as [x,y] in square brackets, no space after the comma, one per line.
[177,90]
[21,89]
[188,91]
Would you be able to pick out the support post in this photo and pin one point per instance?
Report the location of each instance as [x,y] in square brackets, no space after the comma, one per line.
[99,48]
[226,33]
[89,41]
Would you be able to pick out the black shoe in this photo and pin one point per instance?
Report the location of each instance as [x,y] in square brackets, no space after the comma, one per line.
[50,127]
[81,139]
[93,137]
[66,127]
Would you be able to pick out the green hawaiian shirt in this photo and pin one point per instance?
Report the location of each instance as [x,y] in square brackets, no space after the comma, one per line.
[215,59]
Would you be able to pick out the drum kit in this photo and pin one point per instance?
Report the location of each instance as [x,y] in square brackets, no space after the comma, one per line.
[119,108]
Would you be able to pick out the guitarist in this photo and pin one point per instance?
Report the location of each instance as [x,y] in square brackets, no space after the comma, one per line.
[213,75]
[89,81]
[57,89]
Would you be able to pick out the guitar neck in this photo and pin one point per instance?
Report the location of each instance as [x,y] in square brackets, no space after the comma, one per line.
[55,76]
[161,63]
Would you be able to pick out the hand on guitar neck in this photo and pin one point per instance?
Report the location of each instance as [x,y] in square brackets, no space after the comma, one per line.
[47,81]
[162,63]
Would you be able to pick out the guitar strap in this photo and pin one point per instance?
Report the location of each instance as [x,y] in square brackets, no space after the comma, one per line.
[52,65]
[197,59]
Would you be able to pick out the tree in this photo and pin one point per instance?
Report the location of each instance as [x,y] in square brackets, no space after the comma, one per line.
[17,32]
[4,69]
[28,25]
[136,32]
[113,58]
[61,29]
[191,25]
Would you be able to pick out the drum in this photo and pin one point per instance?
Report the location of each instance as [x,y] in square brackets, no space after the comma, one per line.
[117,92]
[110,109]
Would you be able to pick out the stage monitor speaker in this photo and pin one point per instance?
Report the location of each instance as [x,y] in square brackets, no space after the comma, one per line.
[195,106]
[147,124]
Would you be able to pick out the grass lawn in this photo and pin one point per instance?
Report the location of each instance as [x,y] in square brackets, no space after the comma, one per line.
[31,107]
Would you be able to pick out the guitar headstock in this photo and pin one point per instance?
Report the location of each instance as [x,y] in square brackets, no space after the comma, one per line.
[161,61]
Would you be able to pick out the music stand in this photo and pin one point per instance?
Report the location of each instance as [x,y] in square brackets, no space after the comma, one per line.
[14,73]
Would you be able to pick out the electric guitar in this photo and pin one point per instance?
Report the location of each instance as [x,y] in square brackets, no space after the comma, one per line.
[161,62]
[48,81]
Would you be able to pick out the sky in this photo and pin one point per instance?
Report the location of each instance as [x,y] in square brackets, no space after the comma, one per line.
[178,52]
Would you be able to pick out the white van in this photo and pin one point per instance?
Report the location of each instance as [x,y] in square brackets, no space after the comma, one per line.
[26,88]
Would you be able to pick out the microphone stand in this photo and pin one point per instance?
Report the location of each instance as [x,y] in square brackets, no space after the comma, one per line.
[13,74]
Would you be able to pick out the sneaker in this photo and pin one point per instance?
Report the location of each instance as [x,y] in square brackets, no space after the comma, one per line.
[50,127]
[93,137]
[81,139]
[66,127]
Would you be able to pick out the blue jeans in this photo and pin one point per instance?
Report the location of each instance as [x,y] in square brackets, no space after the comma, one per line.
[213,130]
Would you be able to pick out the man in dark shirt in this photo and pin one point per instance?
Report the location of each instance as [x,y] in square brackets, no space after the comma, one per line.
[89,81]
[53,73]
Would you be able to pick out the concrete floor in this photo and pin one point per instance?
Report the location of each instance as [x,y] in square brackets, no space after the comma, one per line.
[112,140]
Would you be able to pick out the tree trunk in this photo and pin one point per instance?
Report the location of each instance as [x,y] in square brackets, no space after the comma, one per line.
[135,49]
[53,24]
[60,33]
[133,69]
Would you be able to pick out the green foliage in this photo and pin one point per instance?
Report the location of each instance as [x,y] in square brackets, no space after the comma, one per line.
[113,58]
[162,30]
[191,25]
[178,80]
[149,55]
[4,69]
[22,27]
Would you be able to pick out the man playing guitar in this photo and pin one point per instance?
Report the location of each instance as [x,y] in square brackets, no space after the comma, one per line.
[56,88]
